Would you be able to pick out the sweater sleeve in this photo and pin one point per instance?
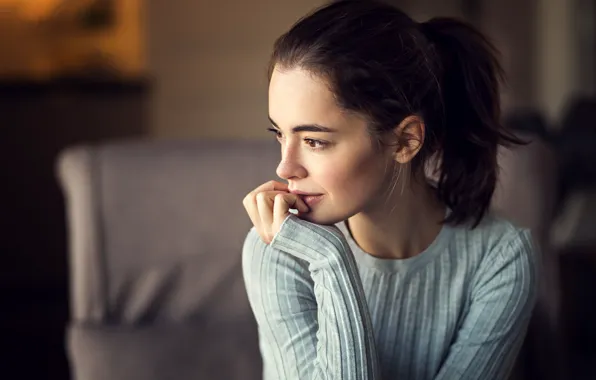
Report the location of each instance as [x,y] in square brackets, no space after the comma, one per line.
[503,296]
[307,298]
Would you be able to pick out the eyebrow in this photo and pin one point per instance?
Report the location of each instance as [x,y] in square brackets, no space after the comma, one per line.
[307,127]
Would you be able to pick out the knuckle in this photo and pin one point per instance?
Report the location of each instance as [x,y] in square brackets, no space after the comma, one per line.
[266,238]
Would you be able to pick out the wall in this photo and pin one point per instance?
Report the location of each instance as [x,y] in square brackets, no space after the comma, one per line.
[510,26]
[209,62]
[566,48]
[556,56]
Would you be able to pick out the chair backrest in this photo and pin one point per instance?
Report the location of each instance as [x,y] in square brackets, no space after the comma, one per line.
[150,217]
[156,231]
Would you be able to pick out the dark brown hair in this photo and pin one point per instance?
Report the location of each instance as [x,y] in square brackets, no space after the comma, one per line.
[382,64]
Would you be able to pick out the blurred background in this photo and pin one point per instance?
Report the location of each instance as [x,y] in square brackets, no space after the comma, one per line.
[93,71]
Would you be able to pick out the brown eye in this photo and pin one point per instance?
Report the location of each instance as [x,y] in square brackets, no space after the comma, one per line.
[315,144]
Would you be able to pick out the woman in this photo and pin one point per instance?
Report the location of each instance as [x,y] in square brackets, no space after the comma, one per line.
[380,272]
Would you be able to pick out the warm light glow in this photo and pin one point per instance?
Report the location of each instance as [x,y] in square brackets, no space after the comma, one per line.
[46,39]
[33,10]
[39,10]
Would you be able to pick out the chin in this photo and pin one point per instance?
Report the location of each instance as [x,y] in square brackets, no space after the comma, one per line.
[321,217]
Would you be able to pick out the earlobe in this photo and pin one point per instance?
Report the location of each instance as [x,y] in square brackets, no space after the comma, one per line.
[410,137]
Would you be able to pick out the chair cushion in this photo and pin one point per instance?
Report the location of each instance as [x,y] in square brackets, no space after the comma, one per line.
[213,349]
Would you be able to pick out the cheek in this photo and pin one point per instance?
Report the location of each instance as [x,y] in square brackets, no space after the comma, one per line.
[356,181]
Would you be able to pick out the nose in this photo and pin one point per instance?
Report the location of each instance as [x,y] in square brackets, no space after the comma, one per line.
[289,167]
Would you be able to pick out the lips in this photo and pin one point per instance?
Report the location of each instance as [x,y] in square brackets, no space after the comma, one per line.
[303,193]
[310,199]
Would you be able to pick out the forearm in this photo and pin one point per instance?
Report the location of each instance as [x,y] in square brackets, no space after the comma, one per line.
[316,323]
[345,336]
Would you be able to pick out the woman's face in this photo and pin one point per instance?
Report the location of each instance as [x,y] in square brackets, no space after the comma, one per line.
[324,150]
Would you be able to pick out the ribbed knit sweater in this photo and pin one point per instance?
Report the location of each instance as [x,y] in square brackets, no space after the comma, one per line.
[328,310]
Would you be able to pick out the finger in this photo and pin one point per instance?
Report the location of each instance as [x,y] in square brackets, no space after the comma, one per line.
[265,210]
[260,207]
[283,203]
[250,199]
[295,202]
[300,205]
[271,186]
[281,209]
[250,205]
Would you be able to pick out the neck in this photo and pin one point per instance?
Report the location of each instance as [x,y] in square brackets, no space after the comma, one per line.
[402,227]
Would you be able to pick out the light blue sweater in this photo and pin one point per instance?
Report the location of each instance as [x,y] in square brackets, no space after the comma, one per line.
[327,310]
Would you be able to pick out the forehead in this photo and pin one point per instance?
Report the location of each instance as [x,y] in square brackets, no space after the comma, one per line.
[298,97]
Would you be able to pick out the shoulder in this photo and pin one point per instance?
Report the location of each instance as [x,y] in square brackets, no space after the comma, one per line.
[496,238]
[505,254]
[496,250]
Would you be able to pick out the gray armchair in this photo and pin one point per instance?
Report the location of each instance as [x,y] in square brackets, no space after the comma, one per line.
[156,230]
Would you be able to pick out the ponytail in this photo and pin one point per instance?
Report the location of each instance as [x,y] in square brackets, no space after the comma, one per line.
[469,124]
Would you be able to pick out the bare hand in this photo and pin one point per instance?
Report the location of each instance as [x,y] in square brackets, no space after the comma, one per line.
[269,205]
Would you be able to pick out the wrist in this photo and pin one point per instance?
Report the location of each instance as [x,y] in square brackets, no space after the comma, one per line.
[295,232]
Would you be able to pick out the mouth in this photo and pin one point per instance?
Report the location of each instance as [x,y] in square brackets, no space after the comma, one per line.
[310,199]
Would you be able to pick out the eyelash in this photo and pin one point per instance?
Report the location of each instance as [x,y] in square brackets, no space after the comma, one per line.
[321,144]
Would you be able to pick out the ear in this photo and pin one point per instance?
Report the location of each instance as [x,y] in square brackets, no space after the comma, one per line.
[409,135]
